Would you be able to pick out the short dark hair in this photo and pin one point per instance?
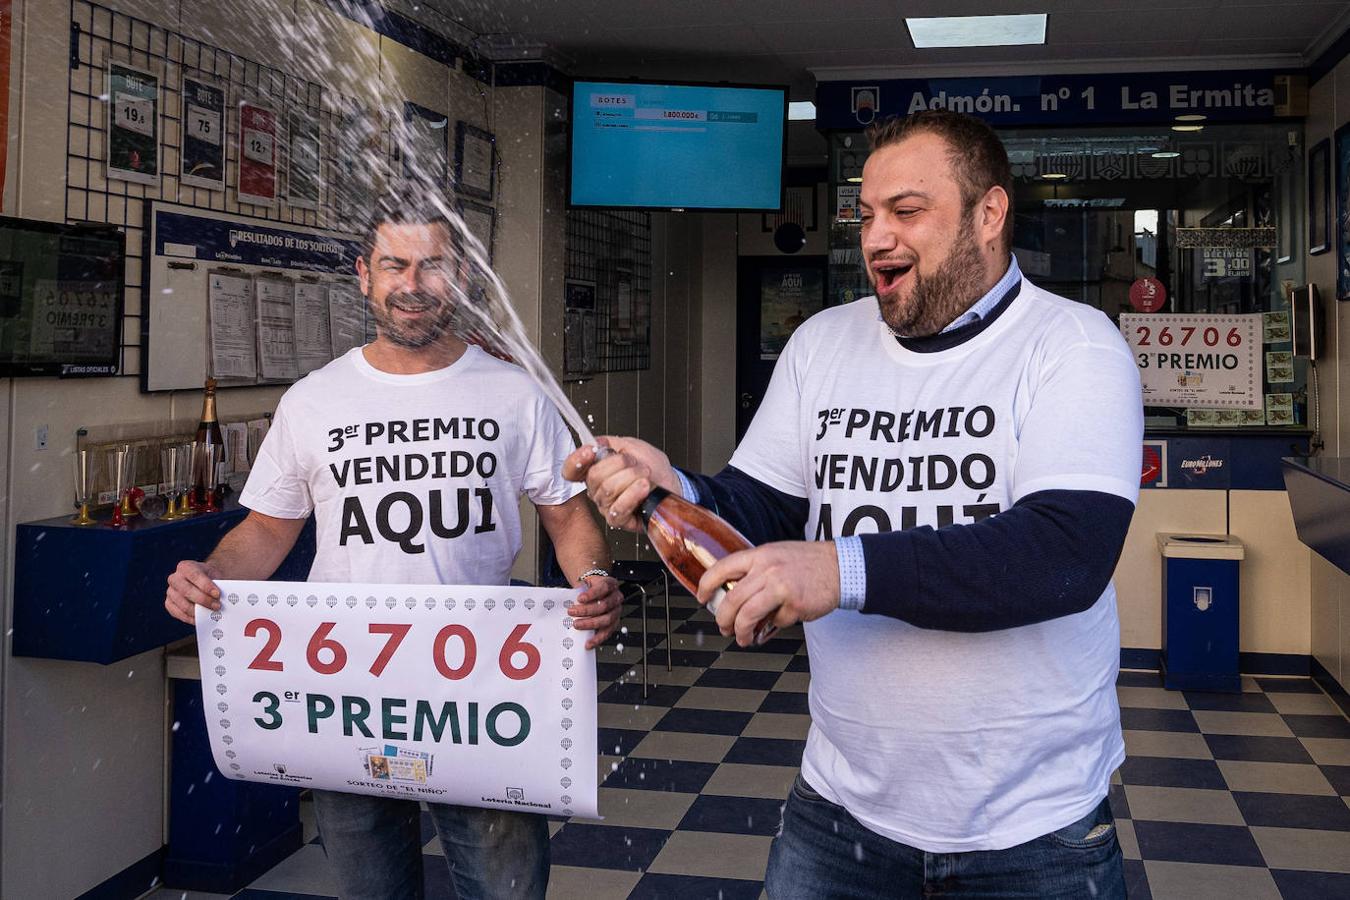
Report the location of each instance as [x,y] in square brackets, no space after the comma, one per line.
[406,202]
[977,155]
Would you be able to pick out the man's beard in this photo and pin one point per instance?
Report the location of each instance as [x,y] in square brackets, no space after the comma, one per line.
[937,299]
[413,335]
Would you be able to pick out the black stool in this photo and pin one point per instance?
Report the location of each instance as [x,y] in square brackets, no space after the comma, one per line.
[639,574]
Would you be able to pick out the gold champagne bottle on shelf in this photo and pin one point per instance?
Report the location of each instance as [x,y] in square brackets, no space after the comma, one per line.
[208,435]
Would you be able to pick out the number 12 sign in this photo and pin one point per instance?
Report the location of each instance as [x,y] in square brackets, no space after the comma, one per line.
[476,696]
[257,155]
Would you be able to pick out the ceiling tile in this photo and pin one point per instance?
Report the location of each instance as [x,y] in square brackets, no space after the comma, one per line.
[863,34]
[688,40]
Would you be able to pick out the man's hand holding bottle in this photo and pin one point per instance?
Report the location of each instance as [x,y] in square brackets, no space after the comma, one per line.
[620,476]
[776,585]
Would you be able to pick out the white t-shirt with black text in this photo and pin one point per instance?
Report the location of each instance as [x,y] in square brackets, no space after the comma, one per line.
[413,479]
[953,741]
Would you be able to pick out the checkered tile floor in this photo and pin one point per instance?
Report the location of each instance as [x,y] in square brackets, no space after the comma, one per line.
[1223,795]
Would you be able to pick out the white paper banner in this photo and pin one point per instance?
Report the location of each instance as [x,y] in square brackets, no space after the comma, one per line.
[1200,360]
[475,696]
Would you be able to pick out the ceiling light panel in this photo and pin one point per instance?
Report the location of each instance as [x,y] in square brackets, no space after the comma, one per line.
[977,31]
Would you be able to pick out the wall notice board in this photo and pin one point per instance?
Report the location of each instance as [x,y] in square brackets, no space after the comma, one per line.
[186,248]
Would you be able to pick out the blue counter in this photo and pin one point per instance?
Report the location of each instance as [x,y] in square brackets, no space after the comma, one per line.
[1319,494]
[96,594]
[1237,459]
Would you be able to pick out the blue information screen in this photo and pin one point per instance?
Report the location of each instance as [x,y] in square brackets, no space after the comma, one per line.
[677,146]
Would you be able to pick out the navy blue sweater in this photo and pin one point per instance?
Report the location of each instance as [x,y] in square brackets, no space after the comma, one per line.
[1051,554]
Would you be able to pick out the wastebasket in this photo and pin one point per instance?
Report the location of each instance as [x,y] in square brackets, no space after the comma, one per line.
[1200,611]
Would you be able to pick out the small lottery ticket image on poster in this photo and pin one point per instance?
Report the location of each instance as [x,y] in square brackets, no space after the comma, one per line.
[390,763]
[467,695]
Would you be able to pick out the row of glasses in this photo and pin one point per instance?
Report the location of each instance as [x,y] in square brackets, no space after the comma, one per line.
[178,462]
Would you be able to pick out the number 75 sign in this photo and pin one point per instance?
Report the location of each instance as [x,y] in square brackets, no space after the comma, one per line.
[480,696]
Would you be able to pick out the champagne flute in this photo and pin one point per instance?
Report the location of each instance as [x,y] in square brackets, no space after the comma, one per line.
[187,455]
[84,483]
[117,472]
[168,473]
[152,505]
[211,454]
[131,499]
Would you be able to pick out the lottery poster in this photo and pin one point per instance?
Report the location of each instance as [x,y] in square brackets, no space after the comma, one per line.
[257,155]
[203,157]
[1204,361]
[133,124]
[474,696]
[304,172]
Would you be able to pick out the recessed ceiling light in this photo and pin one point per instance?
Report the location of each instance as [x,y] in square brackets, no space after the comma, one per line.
[854,179]
[1055,176]
[801,111]
[1188,128]
[1166,154]
[977,31]
[1192,117]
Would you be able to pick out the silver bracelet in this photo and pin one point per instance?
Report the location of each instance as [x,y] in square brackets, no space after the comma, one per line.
[589,572]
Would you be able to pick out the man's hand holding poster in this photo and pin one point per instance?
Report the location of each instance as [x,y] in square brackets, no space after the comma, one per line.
[478,696]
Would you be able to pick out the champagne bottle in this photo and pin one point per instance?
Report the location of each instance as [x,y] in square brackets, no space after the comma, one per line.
[689,539]
[208,435]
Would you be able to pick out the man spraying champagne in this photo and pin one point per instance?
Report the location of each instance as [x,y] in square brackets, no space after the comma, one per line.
[940,480]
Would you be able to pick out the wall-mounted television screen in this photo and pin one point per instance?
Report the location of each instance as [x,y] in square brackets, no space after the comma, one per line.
[677,146]
[60,298]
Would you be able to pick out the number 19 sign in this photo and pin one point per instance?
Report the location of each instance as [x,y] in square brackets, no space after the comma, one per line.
[1201,360]
[476,696]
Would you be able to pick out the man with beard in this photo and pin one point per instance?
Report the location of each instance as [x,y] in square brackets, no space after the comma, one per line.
[961,454]
[417,394]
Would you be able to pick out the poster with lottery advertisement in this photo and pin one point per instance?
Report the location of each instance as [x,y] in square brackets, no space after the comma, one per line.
[1209,362]
[203,158]
[304,173]
[257,155]
[468,695]
[133,124]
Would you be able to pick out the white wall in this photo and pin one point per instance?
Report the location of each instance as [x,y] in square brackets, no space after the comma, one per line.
[717,342]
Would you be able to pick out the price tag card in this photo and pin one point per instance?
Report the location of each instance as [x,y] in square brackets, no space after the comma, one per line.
[135,114]
[258,146]
[204,125]
[468,695]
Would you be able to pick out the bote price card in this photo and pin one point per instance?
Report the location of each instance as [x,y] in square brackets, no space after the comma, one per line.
[468,695]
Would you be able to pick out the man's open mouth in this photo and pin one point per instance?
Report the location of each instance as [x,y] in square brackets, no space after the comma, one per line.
[409,305]
[889,272]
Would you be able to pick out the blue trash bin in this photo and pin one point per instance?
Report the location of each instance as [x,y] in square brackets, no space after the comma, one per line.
[1200,608]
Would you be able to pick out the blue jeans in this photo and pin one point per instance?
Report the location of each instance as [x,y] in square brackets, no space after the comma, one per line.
[374,846]
[823,852]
